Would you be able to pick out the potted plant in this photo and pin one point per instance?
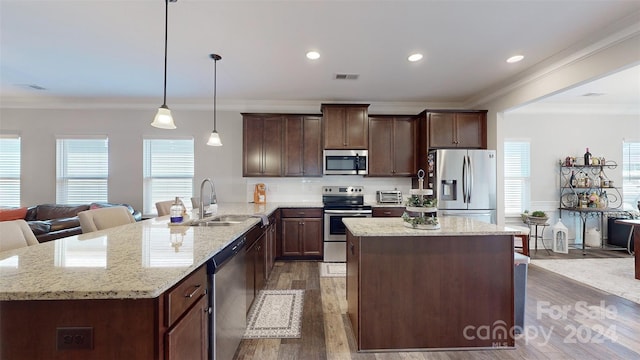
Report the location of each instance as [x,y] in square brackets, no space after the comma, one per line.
[536,217]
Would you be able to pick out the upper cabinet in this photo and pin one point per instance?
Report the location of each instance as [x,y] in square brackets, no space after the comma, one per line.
[303,146]
[392,145]
[346,126]
[457,129]
[262,145]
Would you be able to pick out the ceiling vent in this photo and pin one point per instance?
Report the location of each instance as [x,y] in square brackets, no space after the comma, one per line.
[347,76]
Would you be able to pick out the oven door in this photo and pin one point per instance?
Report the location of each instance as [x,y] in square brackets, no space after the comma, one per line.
[334,229]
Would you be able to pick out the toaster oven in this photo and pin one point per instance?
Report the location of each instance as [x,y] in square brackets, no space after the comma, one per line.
[389,196]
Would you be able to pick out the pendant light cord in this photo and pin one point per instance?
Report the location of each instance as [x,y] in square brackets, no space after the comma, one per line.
[166,31]
[215,71]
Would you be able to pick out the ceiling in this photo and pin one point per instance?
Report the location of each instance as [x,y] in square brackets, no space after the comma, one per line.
[93,49]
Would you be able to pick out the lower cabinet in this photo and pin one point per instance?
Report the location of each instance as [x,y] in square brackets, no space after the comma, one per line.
[302,233]
[271,244]
[387,211]
[173,325]
[187,318]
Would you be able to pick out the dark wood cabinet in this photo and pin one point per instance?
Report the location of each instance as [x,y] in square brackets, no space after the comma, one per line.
[262,145]
[188,339]
[302,233]
[173,325]
[387,211]
[255,263]
[303,145]
[457,129]
[346,126]
[353,283]
[270,245]
[392,145]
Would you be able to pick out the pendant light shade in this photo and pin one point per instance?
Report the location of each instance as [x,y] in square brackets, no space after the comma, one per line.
[214,139]
[163,119]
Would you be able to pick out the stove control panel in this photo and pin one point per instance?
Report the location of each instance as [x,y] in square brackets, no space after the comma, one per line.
[342,190]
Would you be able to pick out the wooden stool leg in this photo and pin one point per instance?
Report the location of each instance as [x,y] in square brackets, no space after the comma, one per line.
[525,244]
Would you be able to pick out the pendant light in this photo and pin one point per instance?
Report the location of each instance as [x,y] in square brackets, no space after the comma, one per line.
[163,119]
[214,139]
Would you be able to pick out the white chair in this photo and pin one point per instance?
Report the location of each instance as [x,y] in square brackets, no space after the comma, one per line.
[164,207]
[15,234]
[104,218]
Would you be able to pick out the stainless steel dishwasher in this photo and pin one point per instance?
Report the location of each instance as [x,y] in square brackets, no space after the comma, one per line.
[227,277]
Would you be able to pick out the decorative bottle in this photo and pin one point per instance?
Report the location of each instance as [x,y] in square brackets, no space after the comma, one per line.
[572,180]
[587,158]
[177,211]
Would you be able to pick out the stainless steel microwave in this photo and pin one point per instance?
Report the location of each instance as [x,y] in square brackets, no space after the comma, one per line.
[346,162]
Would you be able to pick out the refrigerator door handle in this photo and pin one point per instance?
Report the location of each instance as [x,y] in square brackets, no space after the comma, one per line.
[470,180]
[464,179]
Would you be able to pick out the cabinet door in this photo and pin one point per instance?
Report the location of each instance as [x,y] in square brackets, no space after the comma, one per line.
[312,142]
[334,127]
[404,147]
[471,130]
[252,133]
[441,133]
[290,237]
[357,128]
[270,248]
[303,148]
[260,267]
[353,281]
[381,146]
[250,276]
[188,339]
[272,148]
[311,237]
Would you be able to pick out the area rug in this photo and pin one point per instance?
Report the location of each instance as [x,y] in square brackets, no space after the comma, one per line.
[333,269]
[276,314]
[613,275]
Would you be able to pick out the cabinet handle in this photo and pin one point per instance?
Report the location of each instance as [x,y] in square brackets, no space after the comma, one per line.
[387,212]
[195,291]
[352,248]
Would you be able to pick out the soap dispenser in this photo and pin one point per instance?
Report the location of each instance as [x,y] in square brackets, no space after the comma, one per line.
[177,211]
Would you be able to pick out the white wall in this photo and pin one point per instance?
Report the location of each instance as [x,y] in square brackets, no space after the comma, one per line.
[126,129]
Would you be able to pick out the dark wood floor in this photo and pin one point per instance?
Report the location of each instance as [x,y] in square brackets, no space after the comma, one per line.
[596,325]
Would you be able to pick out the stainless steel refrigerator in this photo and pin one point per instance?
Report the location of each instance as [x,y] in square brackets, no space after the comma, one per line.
[464,182]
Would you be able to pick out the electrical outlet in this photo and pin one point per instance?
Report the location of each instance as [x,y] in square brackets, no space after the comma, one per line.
[74,338]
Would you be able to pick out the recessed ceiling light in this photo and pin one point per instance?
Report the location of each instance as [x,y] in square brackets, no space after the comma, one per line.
[415,57]
[313,55]
[515,59]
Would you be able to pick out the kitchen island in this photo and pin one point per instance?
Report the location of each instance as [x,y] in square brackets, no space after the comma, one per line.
[137,291]
[451,288]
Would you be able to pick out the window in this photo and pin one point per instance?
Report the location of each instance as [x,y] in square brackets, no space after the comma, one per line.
[517,179]
[82,170]
[168,171]
[630,175]
[10,170]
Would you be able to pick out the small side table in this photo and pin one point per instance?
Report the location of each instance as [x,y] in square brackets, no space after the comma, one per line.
[535,227]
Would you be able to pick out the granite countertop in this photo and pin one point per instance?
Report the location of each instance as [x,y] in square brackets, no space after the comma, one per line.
[449,226]
[130,261]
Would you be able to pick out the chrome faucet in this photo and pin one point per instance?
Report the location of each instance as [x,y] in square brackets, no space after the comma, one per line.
[212,196]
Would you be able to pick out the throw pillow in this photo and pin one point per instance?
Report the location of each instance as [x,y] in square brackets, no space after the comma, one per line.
[12,214]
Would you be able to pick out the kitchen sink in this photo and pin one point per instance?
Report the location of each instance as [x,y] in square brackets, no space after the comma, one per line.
[222,220]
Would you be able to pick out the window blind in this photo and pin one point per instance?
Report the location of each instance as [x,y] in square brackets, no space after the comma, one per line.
[517,170]
[10,171]
[168,171]
[82,170]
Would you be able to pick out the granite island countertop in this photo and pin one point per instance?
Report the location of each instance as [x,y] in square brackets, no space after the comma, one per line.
[126,262]
[449,226]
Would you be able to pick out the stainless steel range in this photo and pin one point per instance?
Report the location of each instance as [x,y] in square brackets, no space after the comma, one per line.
[340,202]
